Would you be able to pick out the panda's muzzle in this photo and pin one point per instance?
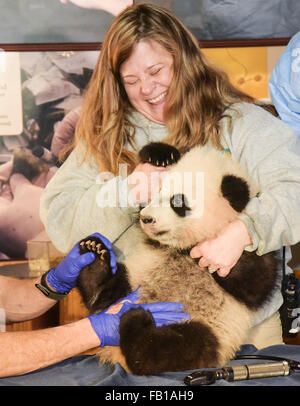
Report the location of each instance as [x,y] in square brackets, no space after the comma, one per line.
[148,225]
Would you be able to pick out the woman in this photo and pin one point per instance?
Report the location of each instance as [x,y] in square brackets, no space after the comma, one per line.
[152,83]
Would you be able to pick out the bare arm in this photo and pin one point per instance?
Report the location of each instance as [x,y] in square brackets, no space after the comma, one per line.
[23,352]
[21,300]
[31,350]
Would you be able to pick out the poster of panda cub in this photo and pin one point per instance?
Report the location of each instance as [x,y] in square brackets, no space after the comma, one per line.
[37,91]
[82,21]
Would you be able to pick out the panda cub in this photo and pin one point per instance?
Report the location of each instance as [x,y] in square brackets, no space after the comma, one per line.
[200,194]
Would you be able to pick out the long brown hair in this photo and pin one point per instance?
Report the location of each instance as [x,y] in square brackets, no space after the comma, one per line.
[197,98]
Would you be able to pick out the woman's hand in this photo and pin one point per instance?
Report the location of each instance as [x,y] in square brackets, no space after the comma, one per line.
[145,181]
[223,252]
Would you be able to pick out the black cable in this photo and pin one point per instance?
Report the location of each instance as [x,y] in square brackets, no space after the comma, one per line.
[283,262]
[277,367]
[295,365]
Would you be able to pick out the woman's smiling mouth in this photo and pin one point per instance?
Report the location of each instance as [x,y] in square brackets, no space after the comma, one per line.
[158,98]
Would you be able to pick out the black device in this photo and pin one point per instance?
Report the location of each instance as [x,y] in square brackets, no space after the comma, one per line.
[47,291]
[280,367]
[290,317]
[290,309]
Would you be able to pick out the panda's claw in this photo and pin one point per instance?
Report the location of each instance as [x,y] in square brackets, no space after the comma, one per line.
[159,154]
[103,254]
[95,246]
[88,244]
[98,246]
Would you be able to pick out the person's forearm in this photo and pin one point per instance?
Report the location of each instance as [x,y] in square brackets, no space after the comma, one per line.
[23,352]
[21,300]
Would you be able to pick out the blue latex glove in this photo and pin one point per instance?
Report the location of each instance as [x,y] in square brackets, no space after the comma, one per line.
[106,325]
[63,277]
[284,84]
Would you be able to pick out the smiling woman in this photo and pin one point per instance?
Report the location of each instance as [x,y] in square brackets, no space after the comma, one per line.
[146,76]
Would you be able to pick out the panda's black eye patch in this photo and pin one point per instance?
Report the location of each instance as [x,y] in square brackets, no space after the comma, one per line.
[179,204]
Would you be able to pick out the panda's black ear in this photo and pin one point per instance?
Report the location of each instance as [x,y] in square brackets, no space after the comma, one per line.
[236,191]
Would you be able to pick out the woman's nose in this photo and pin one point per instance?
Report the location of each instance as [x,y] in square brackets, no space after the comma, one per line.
[147,86]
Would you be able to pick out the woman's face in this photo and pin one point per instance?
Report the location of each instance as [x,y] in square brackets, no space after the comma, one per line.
[146,76]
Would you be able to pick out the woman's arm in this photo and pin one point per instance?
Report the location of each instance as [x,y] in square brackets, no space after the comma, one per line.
[272,217]
[270,152]
[77,202]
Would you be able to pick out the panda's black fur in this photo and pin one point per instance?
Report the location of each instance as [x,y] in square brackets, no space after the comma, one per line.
[221,309]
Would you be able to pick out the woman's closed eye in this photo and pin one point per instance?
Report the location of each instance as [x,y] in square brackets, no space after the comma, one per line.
[155,71]
[130,82]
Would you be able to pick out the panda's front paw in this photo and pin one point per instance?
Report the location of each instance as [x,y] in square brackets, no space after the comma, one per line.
[93,278]
[159,154]
[95,245]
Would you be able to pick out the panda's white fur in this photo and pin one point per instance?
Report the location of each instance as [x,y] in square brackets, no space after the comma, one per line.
[203,168]
[164,271]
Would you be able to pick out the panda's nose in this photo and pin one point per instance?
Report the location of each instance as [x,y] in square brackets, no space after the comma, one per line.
[147,219]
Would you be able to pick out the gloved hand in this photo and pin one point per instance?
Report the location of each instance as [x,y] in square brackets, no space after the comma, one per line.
[63,277]
[106,325]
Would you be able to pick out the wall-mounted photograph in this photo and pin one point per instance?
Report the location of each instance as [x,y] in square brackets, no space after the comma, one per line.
[40,97]
[73,21]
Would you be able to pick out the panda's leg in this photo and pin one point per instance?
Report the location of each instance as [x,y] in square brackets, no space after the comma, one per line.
[98,286]
[176,347]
